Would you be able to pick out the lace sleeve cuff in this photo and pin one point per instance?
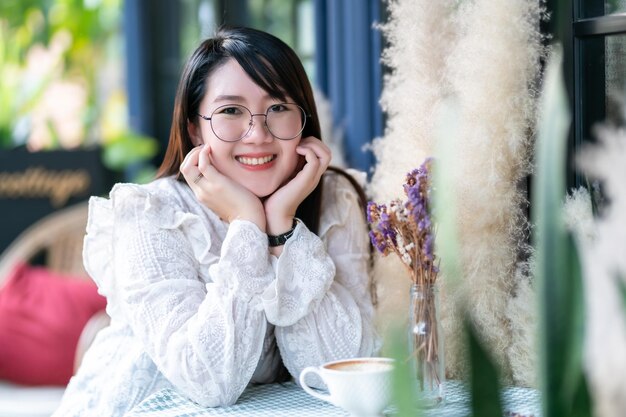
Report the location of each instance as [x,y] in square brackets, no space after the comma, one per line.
[304,273]
[244,267]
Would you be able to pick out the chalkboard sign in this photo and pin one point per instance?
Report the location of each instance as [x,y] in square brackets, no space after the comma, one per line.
[34,184]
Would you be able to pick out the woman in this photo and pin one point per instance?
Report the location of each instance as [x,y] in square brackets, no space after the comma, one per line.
[242,259]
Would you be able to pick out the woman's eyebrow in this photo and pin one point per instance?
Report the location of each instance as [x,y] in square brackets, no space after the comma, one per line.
[226,97]
[231,98]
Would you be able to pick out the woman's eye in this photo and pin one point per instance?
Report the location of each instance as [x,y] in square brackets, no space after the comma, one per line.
[276,108]
[230,111]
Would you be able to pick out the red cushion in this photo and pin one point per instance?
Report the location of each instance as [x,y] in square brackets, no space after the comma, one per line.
[41,317]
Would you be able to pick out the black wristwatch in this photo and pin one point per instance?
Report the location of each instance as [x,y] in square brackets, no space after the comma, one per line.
[280,240]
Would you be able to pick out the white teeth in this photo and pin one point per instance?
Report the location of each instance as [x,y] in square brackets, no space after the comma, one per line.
[255,161]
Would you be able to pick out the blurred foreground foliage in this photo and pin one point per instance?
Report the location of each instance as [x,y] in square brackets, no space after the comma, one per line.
[61,80]
[557,274]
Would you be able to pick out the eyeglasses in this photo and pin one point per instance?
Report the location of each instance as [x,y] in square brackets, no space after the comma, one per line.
[232,122]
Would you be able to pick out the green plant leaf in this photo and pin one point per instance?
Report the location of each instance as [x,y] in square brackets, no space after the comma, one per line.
[144,175]
[91,29]
[403,385]
[574,384]
[128,149]
[551,263]
[558,274]
[484,380]
[444,192]
[582,404]
[575,306]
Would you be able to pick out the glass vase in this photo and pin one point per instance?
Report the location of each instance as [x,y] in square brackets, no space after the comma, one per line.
[426,345]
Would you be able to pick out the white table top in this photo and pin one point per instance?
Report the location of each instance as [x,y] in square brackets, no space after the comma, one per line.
[22,401]
[278,400]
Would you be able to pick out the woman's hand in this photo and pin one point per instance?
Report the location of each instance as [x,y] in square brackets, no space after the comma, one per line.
[281,206]
[225,197]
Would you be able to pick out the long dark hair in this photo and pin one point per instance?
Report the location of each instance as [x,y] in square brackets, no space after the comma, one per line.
[272,65]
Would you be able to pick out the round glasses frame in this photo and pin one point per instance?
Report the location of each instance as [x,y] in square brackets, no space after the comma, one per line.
[251,124]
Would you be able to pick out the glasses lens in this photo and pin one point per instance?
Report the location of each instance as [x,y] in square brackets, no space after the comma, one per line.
[285,120]
[230,122]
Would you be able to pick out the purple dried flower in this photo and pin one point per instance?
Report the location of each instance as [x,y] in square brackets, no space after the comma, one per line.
[372,212]
[385,227]
[406,228]
[378,242]
[428,247]
[414,196]
[418,212]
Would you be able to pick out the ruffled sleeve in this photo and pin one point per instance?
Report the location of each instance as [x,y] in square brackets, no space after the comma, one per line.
[320,302]
[198,315]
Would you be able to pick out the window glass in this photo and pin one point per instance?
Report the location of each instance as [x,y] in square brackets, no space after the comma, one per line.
[199,22]
[596,8]
[615,83]
[292,21]
[603,82]
[614,6]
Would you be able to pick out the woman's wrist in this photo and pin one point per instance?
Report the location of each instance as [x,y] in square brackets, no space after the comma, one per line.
[276,225]
[281,239]
[255,216]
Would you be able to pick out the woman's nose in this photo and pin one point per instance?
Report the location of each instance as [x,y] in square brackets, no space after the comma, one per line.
[258,132]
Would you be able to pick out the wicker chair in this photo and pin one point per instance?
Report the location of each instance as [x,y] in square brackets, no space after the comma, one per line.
[60,237]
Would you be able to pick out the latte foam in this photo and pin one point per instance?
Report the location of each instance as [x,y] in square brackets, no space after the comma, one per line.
[361,366]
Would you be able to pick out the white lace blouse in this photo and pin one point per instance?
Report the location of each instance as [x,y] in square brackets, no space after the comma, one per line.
[202,307]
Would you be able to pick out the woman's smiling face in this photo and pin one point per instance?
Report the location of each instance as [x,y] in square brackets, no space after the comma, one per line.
[258,161]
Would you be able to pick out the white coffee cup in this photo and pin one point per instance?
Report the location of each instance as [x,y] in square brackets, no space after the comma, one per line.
[361,386]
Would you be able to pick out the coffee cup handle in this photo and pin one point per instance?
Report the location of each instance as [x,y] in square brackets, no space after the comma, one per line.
[309,390]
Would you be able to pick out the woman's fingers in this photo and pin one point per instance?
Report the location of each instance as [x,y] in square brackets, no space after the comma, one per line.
[316,154]
[311,160]
[189,166]
[197,164]
[285,201]
[204,161]
[319,148]
[225,197]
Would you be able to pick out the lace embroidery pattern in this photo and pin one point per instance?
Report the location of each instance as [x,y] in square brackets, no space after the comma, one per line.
[194,302]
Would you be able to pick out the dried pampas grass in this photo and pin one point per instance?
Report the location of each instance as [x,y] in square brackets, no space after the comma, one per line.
[493,70]
[486,53]
[578,215]
[604,264]
[419,37]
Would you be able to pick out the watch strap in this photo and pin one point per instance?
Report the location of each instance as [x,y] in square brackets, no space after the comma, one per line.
[281,239]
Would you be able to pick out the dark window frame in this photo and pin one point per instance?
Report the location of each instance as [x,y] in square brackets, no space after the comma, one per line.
[585,84]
